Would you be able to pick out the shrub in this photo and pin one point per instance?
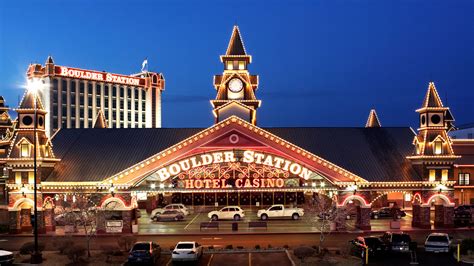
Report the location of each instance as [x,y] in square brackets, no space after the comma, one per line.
[286,247]
[240,247]
[303,252]
[229,247]
[269,246]
[110,250]
[75,253]
[466,245]
[4,228]
[61,244]
[257,246]
[29,247]
[125,243]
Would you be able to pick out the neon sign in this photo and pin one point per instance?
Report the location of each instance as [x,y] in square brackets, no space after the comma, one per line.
[249,157]
[97,76]
[239,183]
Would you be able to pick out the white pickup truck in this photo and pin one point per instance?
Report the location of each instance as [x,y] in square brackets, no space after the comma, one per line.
[279,211]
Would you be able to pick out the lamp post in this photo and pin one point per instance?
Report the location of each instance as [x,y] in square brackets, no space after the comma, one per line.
[36,257]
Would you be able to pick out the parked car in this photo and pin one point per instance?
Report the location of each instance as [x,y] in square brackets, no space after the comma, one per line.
[463,215]
[171,215]
[387,212]
[175,206]
[187,251]
[396,242]
[373,243]
[279,211]
[67,218]
[227,213]
[145,252]
[6,257]
[438,242]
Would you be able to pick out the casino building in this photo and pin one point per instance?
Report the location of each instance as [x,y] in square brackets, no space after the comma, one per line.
[77,98]
[234,161]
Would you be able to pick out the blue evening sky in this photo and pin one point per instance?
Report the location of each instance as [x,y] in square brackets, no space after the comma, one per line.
[321,63]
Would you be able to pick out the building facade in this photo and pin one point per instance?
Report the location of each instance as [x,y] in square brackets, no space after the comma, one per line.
[236,162]
[74,97]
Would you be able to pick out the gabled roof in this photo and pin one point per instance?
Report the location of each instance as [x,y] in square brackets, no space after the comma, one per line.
[49,60]
[432,98]
[374,154]
[236,44]
[373,119]
[100,121]
[28,101]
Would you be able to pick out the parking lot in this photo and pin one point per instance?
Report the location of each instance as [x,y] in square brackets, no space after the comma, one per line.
[307,223]
[235,259]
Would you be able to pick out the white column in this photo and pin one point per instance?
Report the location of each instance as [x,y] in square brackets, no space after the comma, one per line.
[85,109]
[133,107]
[78,113]
[148,107]
[125,106]
[110,105]
[117,109]
[140,112]
[102,98]
[158,108]
[94,103]
[68,103]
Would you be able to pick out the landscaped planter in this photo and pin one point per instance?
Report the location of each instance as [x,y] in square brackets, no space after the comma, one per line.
[135,228]
[70,229]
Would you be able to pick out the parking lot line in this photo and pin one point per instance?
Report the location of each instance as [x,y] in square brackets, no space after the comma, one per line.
[169,263]
[250,259]
[192,221]
[210,260]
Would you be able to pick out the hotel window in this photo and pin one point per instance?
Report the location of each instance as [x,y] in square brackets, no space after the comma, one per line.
[464,178]
[18,178]
[469,135]
[241,65]
[418,149]
[432,177]
[444,175]
[438,147]
[31,178]
[230,65]
[25,150]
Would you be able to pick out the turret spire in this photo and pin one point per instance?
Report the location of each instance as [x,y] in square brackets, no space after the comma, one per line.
[373,119]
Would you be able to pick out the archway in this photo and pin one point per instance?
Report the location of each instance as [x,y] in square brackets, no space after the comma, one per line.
[357,208]
[23,209]
[441,210]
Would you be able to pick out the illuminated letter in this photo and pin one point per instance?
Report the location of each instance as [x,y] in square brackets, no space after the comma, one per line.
[184,165]
[255,183]
[278,162]
[280,182]
[223,184]
[215,183]
[295,168]
[270,182]
[174,169]
[305,173]
[63,71]
[194,163]
[259,157]
[268,160]
[108,77]
[198,183]
[248,157]
[287,163]
[238,183]
[188,183]
[163,174]
[206,159]
[207,183]
[217,157]
[247,183]
[229,156]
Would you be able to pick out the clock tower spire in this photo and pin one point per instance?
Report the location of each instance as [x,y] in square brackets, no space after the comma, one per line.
[236,87]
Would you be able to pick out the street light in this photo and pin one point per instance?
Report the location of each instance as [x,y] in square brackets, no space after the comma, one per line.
[34,85]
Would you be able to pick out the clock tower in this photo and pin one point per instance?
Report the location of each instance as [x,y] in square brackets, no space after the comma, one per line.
[236,87]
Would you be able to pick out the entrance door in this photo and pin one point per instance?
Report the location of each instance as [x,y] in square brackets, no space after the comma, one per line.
[25,219]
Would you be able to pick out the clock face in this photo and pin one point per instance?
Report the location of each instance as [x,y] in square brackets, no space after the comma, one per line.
[235,85]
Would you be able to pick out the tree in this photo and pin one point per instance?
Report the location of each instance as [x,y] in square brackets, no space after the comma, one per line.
[325,213]
[83,212]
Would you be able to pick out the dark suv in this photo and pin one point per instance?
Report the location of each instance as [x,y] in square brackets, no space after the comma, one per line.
[373,243]
[144,253]
[397,242]
[387,212]
[463,214]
